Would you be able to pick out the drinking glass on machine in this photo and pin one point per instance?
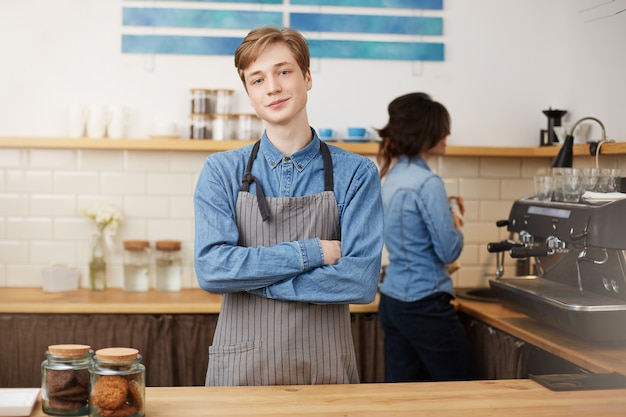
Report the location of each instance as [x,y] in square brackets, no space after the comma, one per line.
[572,185]
[543,187]
[590,178]
[557,183]
[609,180]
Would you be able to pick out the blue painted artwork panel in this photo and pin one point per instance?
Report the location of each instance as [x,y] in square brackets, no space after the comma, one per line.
[249,15]
[396,4]
[226,1]
[318,22]
[208,45]
[188,18]
[403,51]
[179,45]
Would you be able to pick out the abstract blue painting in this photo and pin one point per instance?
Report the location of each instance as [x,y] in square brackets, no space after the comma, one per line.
[402,33]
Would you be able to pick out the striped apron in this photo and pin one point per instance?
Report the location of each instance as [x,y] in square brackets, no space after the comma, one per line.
[260,341]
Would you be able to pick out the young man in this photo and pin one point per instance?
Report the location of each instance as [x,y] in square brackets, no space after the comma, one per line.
[289,230]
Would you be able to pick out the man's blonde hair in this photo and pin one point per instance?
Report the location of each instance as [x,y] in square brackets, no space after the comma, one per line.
[258,39]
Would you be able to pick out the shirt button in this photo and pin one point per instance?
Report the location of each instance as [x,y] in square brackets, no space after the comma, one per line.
[299,166]
[286,159]
[272,163]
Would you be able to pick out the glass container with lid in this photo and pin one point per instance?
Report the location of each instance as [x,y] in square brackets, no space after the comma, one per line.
[118,383]
[200,127]
[248,127]
[168,265]
[65,383]
[223,101]
[201,100]
[136,265]
[222,126]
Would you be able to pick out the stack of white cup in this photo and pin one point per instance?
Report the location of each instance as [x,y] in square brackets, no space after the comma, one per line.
[97,122]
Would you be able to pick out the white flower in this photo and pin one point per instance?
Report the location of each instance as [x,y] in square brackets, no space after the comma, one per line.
[105,217]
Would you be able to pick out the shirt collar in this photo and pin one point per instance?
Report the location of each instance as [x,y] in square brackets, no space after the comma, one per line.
[300,159]
[417,160]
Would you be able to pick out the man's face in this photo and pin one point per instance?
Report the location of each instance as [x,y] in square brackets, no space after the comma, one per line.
[276,87]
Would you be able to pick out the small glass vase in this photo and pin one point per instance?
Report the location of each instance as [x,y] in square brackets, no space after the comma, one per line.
[98,263]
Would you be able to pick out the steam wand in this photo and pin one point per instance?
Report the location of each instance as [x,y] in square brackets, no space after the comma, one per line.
[582,256]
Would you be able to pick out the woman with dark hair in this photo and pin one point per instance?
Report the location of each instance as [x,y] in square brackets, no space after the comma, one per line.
[424,339]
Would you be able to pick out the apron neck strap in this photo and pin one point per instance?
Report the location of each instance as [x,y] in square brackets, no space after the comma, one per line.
[329,181]
[248,178]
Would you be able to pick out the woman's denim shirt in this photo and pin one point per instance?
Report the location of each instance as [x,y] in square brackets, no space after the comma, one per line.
[292,271]
[419,232]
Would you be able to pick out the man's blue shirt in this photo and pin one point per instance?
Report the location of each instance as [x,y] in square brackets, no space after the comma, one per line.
[292,271]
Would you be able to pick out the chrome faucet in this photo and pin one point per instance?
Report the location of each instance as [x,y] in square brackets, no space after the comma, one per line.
[590,118]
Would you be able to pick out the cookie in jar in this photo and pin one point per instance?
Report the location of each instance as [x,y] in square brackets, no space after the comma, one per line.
[117,383]
[65,381]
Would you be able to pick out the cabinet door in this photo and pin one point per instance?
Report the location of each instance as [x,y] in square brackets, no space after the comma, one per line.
[498,355]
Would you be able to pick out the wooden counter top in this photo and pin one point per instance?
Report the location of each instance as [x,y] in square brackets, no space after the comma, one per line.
[117,301]
[520,397]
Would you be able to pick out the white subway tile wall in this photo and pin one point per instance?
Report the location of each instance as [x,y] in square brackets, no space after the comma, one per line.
[42,193]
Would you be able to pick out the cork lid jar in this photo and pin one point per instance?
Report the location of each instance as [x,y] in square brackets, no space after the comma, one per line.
[65,383]
[69,350]
[168,245]
[117,383]
[136,245]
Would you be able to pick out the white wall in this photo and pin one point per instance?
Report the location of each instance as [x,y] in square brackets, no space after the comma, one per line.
[506,61]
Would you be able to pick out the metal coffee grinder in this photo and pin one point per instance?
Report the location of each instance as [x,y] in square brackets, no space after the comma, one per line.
[548,138]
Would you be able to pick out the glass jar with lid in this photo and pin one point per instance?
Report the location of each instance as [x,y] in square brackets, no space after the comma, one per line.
[136,265]
[65,384]
[222,126]
[168,265]
[200,127]
[201,100]
[223,100]
[247,126]
[118,383]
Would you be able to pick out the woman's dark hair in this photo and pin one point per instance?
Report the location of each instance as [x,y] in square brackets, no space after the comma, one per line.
[416,124]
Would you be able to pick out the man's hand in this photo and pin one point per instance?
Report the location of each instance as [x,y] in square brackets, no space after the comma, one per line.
[332,251]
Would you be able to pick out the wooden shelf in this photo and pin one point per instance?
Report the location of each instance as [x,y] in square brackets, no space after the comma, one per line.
[368,148]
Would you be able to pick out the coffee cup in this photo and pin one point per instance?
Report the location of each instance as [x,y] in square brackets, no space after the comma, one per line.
[357,132]
[118,119]
[326,133]
[76,121]
[97,122]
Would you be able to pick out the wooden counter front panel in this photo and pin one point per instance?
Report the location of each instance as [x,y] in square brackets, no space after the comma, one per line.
[174,346]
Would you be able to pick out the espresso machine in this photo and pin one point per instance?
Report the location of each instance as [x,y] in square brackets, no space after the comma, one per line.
[579,280]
